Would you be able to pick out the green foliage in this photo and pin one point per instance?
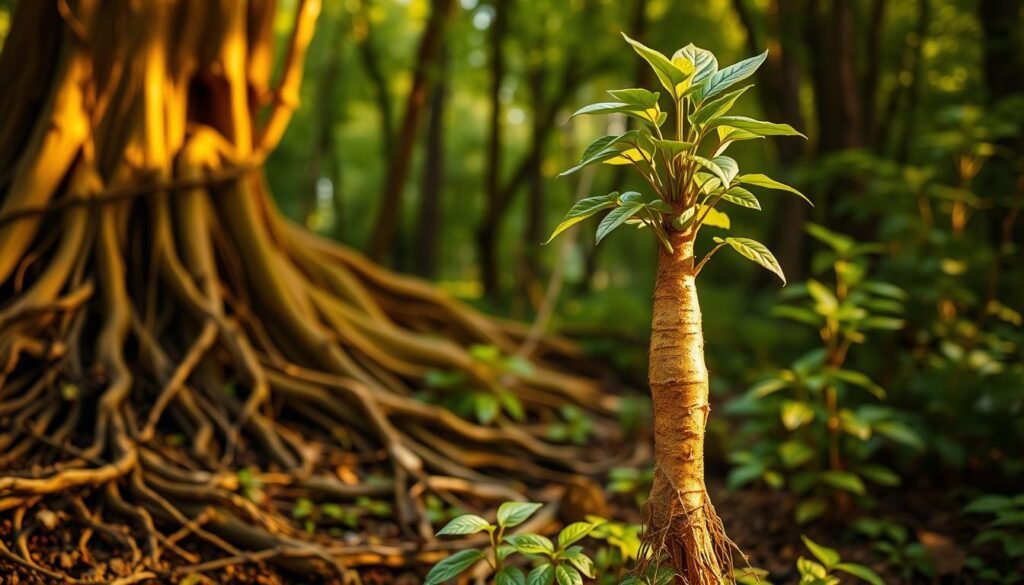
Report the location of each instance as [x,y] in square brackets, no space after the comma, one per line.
[1004,533]
[892,541]
[562,562]
[472,398]
[314,516]
[829,426]
[822,570]
[685,167]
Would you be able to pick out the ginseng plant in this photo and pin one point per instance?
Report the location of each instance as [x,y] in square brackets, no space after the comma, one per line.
[686,167]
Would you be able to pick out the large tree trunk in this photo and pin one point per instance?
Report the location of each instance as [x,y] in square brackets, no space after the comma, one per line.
[681,521]
[163,328]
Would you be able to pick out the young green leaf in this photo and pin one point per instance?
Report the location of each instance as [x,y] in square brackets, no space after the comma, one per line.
[760,180]
[729,167]
[861,572]
[668,74]
[739,196]
[583,209]
[602,108]
[543,574]
[452,566]
[714,218]
[573,533]
[711,166]
[596,157]
[616,218]
[758,127]
[567,576]
[756,252]
[531,544]
[808,510]
[671,148]
[828,557]
[510,576]
[515,513]
[639,98]
[704,62]
[732,74]
[467,524]
[583,564]
[717,107]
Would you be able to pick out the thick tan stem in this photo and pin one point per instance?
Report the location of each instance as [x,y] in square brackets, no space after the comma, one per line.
[682,523]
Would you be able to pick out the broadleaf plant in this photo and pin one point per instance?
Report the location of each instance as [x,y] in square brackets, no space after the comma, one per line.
[684,162]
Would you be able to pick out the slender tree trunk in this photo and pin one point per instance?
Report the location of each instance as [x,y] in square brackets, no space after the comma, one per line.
[381,93]
[428,229]
[389,212]
[487,236]
[681,519]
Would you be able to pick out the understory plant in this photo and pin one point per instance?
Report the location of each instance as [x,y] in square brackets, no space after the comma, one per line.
[562,561]
[824,569]
[1003,536]
[681,154]
[817,426]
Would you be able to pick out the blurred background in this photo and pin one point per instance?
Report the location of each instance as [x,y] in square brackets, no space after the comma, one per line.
[878,398]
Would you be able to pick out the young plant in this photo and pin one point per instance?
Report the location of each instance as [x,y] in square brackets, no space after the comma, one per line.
[563,563]
[689,176]
[810,431]
[822,571]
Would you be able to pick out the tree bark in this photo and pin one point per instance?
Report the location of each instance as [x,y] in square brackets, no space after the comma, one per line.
[389,212]
[428,229]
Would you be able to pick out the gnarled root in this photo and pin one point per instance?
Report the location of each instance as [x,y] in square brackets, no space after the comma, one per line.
[179,368]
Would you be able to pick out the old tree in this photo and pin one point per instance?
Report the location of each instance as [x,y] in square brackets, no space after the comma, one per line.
[178,363]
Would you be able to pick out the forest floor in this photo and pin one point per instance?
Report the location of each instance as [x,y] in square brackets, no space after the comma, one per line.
[758,520]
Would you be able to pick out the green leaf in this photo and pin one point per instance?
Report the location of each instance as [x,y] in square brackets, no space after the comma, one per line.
[854,425]
[573,533]
[639,98]
[989,504]
[900,433]
[828,557]
[714,218]
[704,62]
[468,524]
[711,166]
[744,474]
[844,480]
[795,453]
[485,407]
[767,387]
[672,148]
[510,576]
[583,209]
[452,566]
[531,544]
[860,380]
[718,107]
[756,252]
[861,572]
[880,475]
[596,157]
[602,108]
[541,575]
[808,510]
[583,564]
[567,576]
[760,180]
[668,74]
[616,218]
[724,78]
[757,127]
[729,166]
[795,414]
[740,196]
[515,513]
[731,134]
[505,550]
